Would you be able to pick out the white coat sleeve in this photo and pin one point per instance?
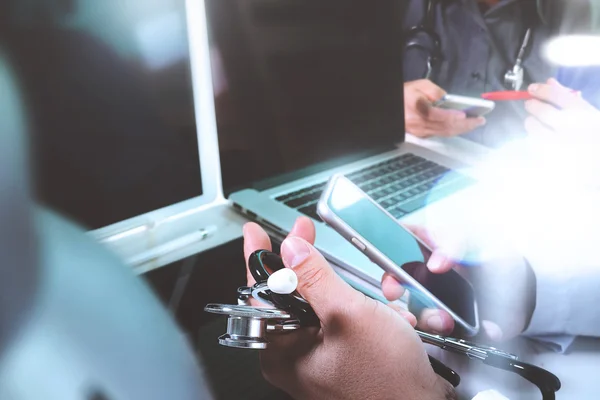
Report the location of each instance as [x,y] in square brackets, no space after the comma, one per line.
[567,286]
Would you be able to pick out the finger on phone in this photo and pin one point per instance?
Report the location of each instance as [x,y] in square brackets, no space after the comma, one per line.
[421,233]
[443,258]
[305,229]
[458,127]
[445,116]
[452,122]
[432,91]
[439,262]
[492,330]
[407,315]
[435,321]
[391,287]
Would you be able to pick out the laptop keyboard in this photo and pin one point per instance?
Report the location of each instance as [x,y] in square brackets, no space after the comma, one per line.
[401,185]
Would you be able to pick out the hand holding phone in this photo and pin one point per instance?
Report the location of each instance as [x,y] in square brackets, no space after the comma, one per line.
[361,221]
[471,106]
[424,120]
[500,291]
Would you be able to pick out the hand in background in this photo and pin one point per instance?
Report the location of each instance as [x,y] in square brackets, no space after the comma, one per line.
[563,124]
[424,120]
[556,109]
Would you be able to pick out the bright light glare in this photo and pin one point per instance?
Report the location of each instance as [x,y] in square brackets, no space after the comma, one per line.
[162,40]
[344,194]
[535,200]
[573,50]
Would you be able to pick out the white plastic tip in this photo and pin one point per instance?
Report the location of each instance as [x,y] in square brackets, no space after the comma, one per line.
[283,281]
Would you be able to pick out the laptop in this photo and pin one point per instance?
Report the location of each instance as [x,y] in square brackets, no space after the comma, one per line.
[304,90]
[123,143]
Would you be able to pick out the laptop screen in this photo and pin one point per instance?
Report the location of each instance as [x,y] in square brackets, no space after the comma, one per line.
[299,83]
[109,92]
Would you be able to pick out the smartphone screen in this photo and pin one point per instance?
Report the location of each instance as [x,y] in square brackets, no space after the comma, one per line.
[378,230]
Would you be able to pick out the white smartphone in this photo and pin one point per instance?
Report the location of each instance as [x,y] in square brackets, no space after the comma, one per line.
[361,221]
[472,106]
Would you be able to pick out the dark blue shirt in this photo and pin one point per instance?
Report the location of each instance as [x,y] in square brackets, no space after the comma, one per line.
[479,47]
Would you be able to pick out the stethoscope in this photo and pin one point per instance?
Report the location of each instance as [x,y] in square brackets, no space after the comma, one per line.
[432,46]
[250,327]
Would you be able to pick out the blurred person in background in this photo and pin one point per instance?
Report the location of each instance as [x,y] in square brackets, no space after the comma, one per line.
[537,205]
[479,44]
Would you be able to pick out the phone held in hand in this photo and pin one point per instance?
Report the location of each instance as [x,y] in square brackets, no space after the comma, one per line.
[376,233]
[471,106]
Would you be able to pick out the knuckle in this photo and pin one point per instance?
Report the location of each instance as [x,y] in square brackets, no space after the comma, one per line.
[417,125]
[364,306]
[311,277]
[372,305]
[426,83]
[472,125]
[547,92]
[412,121]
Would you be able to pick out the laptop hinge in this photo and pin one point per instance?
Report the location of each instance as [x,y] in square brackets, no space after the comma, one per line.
[280,179]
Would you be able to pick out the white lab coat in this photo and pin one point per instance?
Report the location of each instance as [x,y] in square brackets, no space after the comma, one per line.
[553,220]
[568,278]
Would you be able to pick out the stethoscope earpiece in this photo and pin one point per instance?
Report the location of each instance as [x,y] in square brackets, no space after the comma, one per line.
[263,264]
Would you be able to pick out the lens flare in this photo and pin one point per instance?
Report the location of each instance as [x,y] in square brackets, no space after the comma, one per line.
[573,50]
[535,199]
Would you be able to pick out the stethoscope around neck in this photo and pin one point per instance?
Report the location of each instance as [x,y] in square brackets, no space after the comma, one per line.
[432,46]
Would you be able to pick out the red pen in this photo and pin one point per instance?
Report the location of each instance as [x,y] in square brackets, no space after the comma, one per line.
[512,95]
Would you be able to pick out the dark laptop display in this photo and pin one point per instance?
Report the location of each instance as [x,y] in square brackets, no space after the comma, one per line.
[109,92]
[298,83]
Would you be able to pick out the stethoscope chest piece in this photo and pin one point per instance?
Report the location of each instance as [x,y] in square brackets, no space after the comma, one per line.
[513,79]
[247,326]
